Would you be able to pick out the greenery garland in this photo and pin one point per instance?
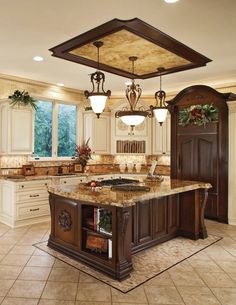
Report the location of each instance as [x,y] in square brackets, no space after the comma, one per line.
[199,115]
[22,98]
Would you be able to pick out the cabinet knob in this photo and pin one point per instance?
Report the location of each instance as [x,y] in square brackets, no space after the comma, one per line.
[36,195]
[46,184]
[65,182]
[22,186]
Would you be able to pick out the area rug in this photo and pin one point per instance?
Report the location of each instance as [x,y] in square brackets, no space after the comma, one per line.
[147,264]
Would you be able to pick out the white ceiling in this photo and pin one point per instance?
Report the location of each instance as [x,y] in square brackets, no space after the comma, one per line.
[31,27]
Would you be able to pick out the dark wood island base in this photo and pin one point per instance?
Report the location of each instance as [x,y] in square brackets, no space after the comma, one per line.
[139,221]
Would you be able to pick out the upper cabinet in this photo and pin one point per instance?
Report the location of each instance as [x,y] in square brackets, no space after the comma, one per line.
[98,131]
[161,137]
[17,129]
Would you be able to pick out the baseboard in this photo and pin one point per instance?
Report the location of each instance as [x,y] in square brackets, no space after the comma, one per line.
[232,221]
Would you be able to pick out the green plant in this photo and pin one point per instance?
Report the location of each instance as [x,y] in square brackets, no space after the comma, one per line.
[198,115]
[22,98]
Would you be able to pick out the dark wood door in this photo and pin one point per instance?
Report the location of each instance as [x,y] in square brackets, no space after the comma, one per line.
[185,157]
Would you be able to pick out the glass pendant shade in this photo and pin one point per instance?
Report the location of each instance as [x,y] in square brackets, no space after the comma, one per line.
[132,120]
[160,114]
[98,102]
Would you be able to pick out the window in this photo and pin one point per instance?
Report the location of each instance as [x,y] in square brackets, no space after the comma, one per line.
[43,129]
[66,130]
[55,129]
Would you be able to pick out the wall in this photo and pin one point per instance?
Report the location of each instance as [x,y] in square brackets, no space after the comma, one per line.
[8,84]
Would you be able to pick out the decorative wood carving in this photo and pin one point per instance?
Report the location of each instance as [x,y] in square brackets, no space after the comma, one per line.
[64,220]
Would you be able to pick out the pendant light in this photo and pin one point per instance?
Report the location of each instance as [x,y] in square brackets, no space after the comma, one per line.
[133,116]
[160,109]
[97,96]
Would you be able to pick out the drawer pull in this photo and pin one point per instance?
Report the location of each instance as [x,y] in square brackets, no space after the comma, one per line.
[46,184]
[33,210]
[37,195]
[22,186]
[65,181]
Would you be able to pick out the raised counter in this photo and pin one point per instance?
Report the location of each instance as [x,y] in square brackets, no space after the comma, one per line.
[138,220]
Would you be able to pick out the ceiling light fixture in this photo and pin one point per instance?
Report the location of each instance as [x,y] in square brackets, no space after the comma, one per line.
[132,116]
[97,96]
[38,58]
[171,1]
[160,109]
[60,84]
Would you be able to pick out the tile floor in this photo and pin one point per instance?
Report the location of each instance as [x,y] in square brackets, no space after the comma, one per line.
[29,276]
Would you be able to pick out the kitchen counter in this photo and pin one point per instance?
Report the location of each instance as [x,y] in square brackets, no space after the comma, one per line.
[107,196]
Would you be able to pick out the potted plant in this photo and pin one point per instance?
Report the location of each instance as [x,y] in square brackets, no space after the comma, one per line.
[22,98]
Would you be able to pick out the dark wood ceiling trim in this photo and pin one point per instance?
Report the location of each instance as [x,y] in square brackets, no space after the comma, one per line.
[139,28]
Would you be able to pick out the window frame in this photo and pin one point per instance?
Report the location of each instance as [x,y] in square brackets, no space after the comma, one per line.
[55,107]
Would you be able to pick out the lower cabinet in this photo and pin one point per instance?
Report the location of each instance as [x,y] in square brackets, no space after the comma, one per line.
[154,221]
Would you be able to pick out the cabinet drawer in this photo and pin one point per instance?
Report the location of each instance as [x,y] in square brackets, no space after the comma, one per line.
[32,196]
[24,211]
[29,185]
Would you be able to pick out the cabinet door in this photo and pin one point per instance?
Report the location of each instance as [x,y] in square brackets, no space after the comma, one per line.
[101,135]
[98,130]
[159,217]
[173,213]
[21,131]
[185,157]
[144,225]
[161,137]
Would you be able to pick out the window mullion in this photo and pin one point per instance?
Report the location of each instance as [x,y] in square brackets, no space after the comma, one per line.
[55,130]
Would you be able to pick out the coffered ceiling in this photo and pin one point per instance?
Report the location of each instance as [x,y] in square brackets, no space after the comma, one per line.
[29,28]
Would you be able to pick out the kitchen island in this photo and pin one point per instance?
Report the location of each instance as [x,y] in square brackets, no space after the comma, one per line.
[104,228]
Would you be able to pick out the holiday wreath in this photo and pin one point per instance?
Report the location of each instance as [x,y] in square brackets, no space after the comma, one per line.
[198,115]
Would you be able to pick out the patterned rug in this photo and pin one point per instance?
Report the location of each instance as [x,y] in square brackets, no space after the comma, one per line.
[147,263]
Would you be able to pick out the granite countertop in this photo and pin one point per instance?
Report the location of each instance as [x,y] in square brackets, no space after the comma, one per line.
[109,197]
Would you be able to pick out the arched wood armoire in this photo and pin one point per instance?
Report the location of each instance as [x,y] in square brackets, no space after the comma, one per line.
[201,152]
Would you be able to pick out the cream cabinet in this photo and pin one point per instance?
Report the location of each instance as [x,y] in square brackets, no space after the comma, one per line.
[161,137]
[98,131]
[17,128]
[24,203]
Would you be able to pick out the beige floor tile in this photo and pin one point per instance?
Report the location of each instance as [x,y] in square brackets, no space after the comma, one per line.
[40,252]
[4,249]
[199,256]
[60,264]
[217,279]
[5,286]
[7,240]
[113,303]
[134,296]
[97,303]
[232,275]
[228,266]
[163,295]
[218,253]
[35,273]
[186,279]
[64,275]
[1,299]
[60,291]
[19,301]
[183,266]
[41,261]
[56,302]
[205,266]
[198,296]
[27,250]
[10,272]
[26,289]
[85,278]
[15,260]
[163,279]
[93,292]
[227,296]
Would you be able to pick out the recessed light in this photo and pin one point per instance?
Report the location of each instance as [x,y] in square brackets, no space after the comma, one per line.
[60,84]
[171,1]
[38,58]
